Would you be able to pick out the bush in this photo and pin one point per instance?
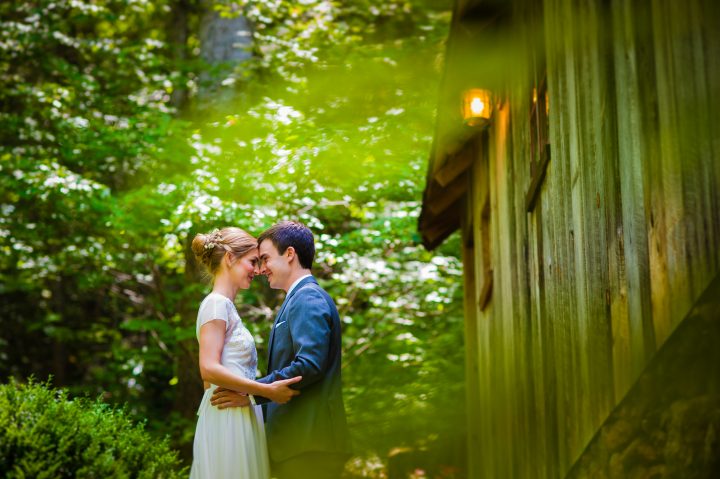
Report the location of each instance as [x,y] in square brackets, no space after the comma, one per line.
[44,434]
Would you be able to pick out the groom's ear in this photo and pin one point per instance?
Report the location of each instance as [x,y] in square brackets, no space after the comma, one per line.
[290,252]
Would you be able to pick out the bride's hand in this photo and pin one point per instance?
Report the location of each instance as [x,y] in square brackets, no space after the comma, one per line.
[280,391]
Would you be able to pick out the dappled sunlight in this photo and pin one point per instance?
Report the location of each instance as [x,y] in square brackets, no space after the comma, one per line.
[112,160]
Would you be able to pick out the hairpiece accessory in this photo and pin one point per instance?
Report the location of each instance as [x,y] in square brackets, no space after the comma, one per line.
[213,238]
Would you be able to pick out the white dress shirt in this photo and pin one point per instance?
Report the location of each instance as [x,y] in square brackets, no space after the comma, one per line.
[292,286]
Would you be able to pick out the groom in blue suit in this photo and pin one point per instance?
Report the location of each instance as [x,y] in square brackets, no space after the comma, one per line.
[308,436]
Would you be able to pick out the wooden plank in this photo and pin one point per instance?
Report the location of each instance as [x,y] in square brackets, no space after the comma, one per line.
[633,339]
[673,229]
[711,43]
[455,165]
[524,268]
[487,402]
[500,374]
[486,455]
[695,140]
[472,369]
[506,316]
[540,442]
[451,194]
[537,181]
[595,350]
[554,340]
[435,228]
[566,196]
[581,66]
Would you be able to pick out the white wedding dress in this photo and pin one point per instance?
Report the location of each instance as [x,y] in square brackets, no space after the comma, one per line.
[229,443]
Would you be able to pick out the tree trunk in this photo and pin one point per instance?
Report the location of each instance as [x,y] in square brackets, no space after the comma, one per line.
[189,388]
[177,36]
[225,43]
[59,349]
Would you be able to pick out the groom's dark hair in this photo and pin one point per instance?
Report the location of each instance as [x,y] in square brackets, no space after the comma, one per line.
[295,234]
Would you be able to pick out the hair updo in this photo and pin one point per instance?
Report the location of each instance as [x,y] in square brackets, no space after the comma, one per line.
[210,248]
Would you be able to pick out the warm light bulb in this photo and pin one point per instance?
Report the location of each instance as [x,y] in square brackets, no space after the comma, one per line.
[477,106]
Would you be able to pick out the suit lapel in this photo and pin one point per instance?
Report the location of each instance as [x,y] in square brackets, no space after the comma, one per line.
[272,333]
[282,310]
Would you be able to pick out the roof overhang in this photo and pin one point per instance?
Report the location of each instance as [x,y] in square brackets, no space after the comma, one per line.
[476,42]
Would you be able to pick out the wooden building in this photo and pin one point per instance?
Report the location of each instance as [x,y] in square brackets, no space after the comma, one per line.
[577,150]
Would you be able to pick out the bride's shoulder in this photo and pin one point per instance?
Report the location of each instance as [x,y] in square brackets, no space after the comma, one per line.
[215,299]
[216,306]
[213,296]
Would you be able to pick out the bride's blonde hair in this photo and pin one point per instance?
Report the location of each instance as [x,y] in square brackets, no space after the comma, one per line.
[209,249]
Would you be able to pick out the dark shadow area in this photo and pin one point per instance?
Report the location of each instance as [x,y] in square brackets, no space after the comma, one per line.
[668,425]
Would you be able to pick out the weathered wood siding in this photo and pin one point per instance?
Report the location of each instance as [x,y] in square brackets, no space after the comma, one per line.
[624,237]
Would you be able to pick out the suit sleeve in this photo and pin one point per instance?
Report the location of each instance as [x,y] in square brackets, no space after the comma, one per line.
[309,319]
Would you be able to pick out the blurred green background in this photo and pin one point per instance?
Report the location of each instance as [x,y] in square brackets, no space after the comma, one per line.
[120,141]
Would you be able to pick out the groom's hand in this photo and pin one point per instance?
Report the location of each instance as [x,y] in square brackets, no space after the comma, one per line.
[225,398]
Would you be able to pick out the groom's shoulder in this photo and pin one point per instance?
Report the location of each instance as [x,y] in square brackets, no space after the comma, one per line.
[311,290]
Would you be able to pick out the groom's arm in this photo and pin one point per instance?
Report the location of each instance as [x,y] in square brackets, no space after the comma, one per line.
[224,398]
[309,322]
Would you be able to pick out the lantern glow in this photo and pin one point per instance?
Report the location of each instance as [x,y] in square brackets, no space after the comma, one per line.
[477,107]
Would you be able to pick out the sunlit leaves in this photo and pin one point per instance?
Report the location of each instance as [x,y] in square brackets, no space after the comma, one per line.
[103,187]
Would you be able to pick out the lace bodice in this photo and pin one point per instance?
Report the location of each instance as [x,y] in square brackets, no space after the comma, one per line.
[239,353]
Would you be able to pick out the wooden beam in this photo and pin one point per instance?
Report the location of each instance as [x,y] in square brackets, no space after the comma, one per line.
[455,165]
[450,194]
[537,181]
[434,228]
[487,287]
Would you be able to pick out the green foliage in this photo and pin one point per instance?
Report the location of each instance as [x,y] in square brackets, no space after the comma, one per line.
[103,185]
[43,434]
[84,86]
[291,36]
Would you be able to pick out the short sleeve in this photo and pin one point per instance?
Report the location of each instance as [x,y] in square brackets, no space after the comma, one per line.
[214,307]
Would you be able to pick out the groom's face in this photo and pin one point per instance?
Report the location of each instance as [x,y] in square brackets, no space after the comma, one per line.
[274,265]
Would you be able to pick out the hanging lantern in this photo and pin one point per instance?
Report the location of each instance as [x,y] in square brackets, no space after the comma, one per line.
[477,107]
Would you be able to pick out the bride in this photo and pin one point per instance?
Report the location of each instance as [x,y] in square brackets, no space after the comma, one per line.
[230,442]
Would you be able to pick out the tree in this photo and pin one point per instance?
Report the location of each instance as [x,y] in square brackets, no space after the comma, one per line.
[329,122]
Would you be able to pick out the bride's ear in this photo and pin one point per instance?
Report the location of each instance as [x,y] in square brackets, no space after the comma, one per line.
[229,259]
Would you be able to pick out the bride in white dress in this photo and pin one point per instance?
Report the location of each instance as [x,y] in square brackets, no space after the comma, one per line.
[230,443]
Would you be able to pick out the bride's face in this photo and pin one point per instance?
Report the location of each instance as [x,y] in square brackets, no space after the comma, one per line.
[244,269]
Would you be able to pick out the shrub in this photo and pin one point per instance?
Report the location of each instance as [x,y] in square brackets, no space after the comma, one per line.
[45,434]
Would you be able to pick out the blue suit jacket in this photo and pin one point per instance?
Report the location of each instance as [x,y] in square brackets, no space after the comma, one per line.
[305,341]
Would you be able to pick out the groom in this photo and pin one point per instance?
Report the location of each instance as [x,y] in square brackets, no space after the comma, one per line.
[308,436]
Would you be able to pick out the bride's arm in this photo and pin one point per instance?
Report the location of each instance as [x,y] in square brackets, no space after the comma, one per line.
[212,340]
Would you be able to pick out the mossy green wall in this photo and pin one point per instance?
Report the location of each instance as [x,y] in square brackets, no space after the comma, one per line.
[624,236]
